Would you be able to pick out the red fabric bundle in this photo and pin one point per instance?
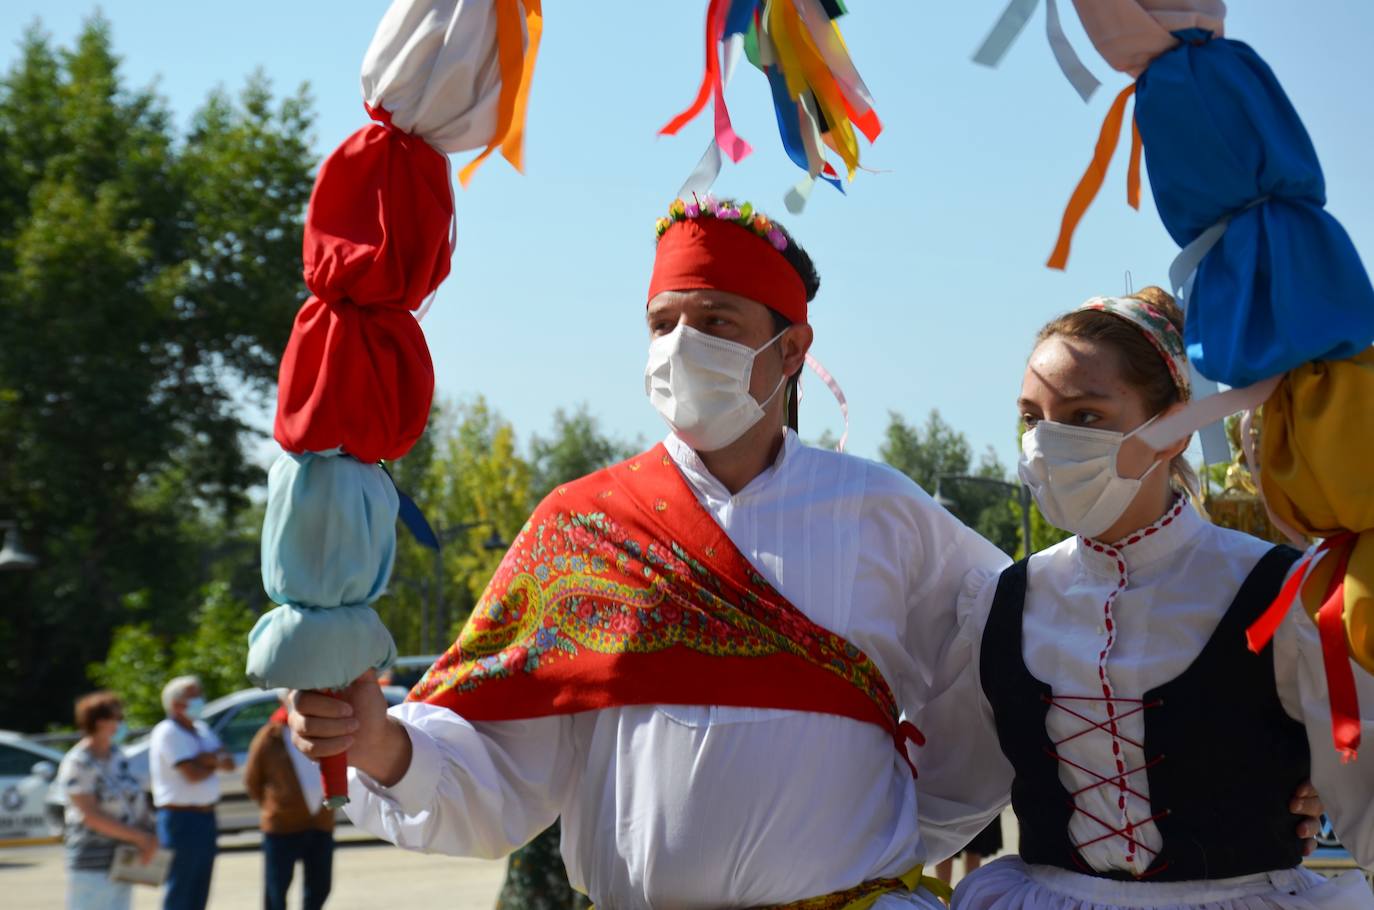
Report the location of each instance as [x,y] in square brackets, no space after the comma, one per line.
[356,372]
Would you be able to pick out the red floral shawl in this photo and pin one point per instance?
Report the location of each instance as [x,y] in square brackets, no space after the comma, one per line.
[622,590]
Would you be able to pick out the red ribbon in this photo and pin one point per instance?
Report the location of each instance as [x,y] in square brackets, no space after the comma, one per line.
[1340,679]
[712,88]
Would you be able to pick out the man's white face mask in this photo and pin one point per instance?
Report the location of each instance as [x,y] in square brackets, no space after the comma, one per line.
[700,386]
[1072,473]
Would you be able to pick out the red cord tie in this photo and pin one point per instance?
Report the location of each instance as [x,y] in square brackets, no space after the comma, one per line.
[1120,776]
[907,732]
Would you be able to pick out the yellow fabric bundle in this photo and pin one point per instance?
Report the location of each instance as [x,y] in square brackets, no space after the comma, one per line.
[1317,471]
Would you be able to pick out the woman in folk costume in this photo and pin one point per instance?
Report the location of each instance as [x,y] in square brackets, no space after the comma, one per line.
[1106,683]
[698,659]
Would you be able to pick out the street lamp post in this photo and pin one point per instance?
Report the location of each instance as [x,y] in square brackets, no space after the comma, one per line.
[13,556]
[1019,491]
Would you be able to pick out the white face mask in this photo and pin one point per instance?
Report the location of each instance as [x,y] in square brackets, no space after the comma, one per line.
[1072,473]
[194,707]
[699,384]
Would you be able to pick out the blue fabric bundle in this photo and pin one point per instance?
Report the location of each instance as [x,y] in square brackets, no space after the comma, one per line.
[328,545]
[1284,284]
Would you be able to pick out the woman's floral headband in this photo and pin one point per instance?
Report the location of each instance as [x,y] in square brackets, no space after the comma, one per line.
[741,213]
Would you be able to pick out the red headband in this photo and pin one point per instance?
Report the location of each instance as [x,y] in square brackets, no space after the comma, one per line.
[713,253]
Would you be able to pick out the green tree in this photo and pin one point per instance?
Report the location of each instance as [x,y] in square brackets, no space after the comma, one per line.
[575,447]
[216,647]
[140,661]
[136,667]
[925,454]
[147,284]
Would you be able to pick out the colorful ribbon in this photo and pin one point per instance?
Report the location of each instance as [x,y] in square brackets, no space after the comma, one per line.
[818,95]
[517,73]
[1010,25]
[1096,174]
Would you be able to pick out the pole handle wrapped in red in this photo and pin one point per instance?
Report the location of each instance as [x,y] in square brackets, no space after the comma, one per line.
[334,773]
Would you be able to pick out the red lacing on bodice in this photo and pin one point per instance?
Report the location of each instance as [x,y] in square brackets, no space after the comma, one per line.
[1119,776]
[1120,779]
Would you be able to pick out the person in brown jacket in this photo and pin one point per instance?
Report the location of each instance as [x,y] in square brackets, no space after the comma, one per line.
[295,824]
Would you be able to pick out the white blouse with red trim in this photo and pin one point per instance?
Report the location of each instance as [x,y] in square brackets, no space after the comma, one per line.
[1104,625]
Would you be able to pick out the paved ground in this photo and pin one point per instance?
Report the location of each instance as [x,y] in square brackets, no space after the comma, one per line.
[368,875]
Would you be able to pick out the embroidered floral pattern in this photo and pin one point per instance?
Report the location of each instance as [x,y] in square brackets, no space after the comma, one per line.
[579,583]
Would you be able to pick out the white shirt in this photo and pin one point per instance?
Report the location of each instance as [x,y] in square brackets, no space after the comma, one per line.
[172,743]
[1180,580]
[704,806]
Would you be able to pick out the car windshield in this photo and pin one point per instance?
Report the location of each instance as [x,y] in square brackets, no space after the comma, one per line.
[16,762]
[243,724]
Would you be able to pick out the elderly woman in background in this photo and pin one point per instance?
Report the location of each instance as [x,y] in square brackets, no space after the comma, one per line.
[105,806]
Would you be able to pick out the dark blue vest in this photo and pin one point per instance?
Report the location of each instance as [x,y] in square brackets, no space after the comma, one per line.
[1225,759]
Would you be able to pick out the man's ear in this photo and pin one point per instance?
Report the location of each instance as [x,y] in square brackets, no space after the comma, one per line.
[793,345]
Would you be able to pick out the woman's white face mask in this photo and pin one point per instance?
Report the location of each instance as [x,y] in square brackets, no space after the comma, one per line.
[1072,473]
[699,384]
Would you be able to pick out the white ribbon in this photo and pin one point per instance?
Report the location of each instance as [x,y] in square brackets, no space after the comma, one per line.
[1013,22]
[704,175]
[1200,412]
[834,387]
[1182,273]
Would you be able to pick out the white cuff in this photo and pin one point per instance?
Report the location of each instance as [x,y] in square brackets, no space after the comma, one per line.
[415,791]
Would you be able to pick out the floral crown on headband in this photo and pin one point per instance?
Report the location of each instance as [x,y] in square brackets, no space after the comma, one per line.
[1158,328]
[741,213]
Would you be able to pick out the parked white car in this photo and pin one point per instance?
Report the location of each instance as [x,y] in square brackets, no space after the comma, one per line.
[27,770]
[236,719]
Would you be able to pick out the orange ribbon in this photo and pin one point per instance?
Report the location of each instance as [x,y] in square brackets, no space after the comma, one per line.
[1093,177]
[517,73]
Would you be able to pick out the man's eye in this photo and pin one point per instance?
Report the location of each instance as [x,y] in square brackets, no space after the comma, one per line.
[1086,418]
[1029,420]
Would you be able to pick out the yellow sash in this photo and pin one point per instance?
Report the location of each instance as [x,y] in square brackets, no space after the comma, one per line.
[861,897]
[866,895]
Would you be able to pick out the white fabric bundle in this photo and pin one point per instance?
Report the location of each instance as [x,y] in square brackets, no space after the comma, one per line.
[1131,33]
[433,65]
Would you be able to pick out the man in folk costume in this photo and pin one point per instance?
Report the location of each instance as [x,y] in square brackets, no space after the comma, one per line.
[698,658]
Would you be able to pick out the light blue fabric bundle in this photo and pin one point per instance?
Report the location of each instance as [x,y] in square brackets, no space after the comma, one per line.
[328,545]
[317,647]
[329,536]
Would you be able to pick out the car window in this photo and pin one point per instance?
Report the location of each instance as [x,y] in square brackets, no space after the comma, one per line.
[240,729]
[17,762]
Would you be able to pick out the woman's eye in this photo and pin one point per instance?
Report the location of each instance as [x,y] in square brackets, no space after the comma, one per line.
[1029,420]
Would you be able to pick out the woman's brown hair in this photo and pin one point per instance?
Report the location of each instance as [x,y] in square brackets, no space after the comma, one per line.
[97,706]
[1141,364]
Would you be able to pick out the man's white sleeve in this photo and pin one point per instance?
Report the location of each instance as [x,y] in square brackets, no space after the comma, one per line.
[965,780]
[472,789]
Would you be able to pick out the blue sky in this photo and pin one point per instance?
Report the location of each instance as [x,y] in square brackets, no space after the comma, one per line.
[932,270]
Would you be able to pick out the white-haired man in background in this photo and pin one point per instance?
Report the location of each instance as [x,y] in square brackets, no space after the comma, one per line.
[184,755]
